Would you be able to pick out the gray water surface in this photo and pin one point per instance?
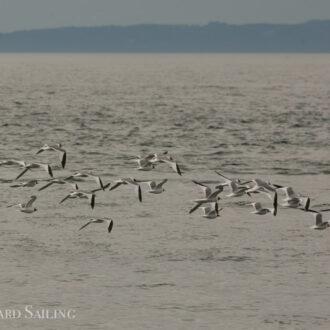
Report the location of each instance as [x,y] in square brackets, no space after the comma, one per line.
[248,116]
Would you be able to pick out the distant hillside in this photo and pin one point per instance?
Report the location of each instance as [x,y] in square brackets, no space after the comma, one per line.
[312,36]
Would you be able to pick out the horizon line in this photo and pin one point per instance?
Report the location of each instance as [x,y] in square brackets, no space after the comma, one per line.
[161,24]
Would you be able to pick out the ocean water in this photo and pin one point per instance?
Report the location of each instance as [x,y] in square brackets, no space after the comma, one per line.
[245,115]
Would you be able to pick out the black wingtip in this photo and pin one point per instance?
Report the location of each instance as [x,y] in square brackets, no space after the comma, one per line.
[101,184]
[50,172]
[140,194]
[63,162]
[275,204]
[110,226]
[178,169]
[92,201]
[308,202]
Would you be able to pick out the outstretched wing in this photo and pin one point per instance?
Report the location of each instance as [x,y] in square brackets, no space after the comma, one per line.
[223,176]
[65,198]
[195,207]
[99,182]
[41,150]
[160,184]
[206,190]
[22,173]
[115,186]
[85,225]
[31,201]
[318,219]
[46,185]
[305,203]
[289,192]
[174,166]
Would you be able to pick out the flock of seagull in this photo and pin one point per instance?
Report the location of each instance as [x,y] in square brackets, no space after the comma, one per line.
[209,203]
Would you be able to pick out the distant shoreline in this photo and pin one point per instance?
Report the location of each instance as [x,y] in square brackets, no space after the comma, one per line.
[308,37]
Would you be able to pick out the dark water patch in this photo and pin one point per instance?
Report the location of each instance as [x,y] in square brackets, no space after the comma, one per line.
[6,180]
[133,131]
[229,258]
[154,285]
[215,127]
[144,214]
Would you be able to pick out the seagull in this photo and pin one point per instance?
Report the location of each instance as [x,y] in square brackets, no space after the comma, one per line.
[27,207]
[165,158]
[131,182]
[86,175]
[57,148]
[293,200]
[258,209]
[209,196]
[235,185]
[27,167]
[212,211]
[228,180]
[260,185]
[144,163]
[155,188]
[81,194]
[107,220]
[30,183]
[237,191]
[319,224]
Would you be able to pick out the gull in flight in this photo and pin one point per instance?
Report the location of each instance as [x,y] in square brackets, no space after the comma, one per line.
[258,209]
[293,200]
[130,181]
[262,186]
[212,211]
[228,180]
[145,163]
[155,188]
[81,194]
[86,175]
[57,148]
[209,196]
[109,222]
[319,223]
[236,186]
[27,207]
[165,158]
[237,191]
[43,166]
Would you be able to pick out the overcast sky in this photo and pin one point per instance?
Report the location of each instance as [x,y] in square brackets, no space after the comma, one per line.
[35,14]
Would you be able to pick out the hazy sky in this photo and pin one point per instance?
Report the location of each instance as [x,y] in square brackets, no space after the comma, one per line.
[32,14]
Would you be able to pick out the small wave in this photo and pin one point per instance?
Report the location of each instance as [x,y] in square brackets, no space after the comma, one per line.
[154,285]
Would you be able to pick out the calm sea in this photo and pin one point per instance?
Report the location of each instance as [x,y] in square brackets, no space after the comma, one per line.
[248,116]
